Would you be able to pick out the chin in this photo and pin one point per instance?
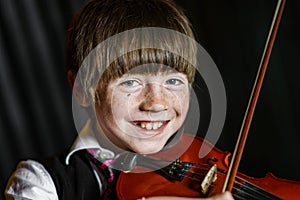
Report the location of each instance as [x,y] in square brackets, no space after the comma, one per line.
[145,150]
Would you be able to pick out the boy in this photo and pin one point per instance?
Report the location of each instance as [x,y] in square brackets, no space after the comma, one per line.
[137,102]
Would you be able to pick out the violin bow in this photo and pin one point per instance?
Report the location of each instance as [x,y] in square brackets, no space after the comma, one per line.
[242,137]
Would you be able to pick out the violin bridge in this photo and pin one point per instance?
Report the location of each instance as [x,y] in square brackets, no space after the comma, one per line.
[209,178]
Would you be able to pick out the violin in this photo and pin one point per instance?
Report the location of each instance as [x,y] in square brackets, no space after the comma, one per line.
[189,176]
[188,173]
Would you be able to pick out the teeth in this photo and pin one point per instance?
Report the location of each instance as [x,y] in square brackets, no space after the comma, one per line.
[155,126]
[150,125]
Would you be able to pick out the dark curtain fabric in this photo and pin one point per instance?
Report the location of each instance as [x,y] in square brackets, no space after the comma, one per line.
[35,100]
[36,117]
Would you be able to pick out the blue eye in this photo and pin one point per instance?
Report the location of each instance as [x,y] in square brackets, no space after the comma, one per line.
[174,82]
[130,83]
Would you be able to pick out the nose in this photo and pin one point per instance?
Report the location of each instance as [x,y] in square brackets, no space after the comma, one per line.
[155,99]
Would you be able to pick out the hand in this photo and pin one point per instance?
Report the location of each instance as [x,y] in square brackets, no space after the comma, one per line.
[224,196]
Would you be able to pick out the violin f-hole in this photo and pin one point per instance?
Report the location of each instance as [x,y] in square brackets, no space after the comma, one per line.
[215,160]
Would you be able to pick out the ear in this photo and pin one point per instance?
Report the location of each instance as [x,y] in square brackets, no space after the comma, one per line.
[71,77]
[76,89]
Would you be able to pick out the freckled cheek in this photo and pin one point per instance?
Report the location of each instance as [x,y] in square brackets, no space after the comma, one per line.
[104,108]
[103,112]
[131,100]
[181,103]
[122,105]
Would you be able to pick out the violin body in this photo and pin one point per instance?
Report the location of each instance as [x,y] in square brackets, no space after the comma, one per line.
[135,185]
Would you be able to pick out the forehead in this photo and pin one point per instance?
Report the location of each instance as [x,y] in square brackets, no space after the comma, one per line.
[147,61]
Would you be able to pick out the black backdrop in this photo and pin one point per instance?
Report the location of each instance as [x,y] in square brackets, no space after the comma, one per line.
[35,112]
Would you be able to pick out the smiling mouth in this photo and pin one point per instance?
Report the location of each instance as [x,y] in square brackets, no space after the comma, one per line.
[147,125]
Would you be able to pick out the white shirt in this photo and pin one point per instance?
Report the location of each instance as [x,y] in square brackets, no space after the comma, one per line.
[32,181]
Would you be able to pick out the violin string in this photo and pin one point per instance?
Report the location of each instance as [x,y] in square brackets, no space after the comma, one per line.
[240,193]
[204,169]
[197,173]
[193,175]
[253,194]
[249,186]
[191,178]
[239,197]
[201,166]
[252,190]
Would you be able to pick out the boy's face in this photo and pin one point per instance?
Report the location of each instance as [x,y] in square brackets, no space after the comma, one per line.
[142,111]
